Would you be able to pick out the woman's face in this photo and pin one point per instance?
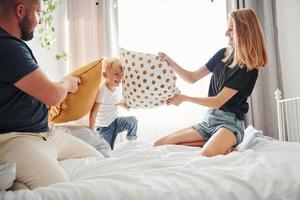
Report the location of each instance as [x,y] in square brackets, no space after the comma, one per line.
[229,33]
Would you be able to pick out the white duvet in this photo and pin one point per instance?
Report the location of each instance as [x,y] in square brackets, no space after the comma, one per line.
[269,169]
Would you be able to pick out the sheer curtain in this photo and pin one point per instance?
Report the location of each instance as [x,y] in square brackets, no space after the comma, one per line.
[190,31]
[92,30]
[55,69]
[86,30]
[262,112]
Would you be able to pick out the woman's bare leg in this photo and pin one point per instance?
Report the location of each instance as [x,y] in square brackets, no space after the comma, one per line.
[220,143]
[182,137]
[193,144]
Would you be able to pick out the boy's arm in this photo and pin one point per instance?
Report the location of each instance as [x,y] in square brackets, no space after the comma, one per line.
[123,104]
[93,115]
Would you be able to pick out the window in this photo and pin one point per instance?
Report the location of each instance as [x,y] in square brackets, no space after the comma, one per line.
[190,32]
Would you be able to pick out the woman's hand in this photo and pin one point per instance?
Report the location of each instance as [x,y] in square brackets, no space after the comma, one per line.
[166,58]
[176,100]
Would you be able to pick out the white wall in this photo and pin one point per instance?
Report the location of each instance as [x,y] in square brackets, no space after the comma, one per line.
[54,69]
[289,45]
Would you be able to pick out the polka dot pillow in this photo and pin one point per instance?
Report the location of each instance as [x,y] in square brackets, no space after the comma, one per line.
[148,82]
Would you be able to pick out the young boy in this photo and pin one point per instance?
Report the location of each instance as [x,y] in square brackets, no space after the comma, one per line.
[104,113]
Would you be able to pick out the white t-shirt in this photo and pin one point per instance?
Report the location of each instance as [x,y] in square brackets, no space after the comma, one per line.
[108,110]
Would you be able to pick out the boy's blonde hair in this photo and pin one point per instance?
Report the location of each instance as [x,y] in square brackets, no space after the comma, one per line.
[110,63]
[249,49]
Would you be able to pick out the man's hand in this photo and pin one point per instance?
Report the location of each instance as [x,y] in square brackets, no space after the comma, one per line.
[72,82]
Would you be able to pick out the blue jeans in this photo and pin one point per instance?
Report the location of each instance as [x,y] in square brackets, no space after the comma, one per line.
[217,119]
[119,125]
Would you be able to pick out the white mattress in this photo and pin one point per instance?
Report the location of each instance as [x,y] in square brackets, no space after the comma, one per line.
[269,169]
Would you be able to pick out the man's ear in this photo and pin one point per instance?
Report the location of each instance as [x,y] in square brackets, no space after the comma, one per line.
[20,11]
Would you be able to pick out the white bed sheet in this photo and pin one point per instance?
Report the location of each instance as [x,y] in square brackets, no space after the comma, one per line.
[268,170]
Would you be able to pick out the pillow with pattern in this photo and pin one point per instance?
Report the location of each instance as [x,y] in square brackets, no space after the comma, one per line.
[148,82]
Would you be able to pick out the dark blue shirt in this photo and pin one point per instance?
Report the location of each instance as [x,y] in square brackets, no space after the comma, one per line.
[19,112]
[237,78]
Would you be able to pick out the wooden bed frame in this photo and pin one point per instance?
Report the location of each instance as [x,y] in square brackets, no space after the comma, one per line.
[288,115]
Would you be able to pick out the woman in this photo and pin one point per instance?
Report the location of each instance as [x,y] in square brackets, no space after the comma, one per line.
[234,72]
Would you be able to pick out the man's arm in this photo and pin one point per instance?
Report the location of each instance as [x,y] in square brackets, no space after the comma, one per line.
[40,87]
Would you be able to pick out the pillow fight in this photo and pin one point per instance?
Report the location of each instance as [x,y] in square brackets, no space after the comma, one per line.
[145,80]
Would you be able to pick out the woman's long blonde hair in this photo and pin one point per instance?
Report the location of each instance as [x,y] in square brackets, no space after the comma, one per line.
[249,48]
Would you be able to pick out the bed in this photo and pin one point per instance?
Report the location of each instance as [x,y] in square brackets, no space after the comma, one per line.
[260,168]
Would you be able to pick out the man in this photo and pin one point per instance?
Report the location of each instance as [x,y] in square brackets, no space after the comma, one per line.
[25,90]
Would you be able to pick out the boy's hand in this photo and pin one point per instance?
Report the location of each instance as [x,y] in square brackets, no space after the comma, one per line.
[122,104]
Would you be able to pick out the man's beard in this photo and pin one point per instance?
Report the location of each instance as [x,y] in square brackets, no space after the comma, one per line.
[26,34]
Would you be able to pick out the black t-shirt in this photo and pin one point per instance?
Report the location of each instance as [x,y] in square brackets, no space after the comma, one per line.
[240,79]
[19,112]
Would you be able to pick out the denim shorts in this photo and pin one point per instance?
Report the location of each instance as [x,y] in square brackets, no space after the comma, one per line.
[217,119]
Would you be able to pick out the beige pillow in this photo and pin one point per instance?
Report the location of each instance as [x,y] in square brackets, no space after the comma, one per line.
[148,82]
[78,104]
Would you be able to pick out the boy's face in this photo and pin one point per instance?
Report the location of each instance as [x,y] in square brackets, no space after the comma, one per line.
[114,76]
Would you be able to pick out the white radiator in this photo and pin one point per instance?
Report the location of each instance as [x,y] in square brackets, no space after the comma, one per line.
[288,114]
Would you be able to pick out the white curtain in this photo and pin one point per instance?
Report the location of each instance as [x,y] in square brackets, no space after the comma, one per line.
[86,30]
[262,113]
[151,26]
[91,32]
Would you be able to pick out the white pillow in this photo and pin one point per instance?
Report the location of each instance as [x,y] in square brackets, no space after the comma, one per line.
[7,175]
[249,140]
[89,136]
[148,82]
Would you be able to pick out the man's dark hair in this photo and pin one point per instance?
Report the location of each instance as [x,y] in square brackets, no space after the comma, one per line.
[6,6]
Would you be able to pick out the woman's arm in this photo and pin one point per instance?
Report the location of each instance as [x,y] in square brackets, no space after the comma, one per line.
[188,76]
[212,102]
